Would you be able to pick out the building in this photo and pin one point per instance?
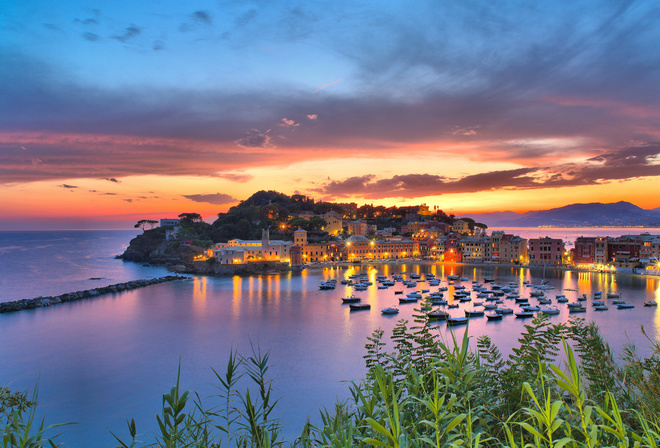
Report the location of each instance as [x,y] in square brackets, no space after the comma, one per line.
[239,251]
[584,255]
[169,222]
[359,247]
[358,227]
[546,250]
[475,249]
[460,227]
[512,250]
[334,222]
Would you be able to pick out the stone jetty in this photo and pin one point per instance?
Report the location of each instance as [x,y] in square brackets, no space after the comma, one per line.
[38,302]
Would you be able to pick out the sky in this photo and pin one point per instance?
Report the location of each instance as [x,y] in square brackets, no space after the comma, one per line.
[111,112]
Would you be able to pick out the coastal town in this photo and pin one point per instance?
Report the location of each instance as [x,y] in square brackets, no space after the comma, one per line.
[424,235]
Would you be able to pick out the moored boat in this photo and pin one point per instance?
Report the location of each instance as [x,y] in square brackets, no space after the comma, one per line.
[390,310]
[359,306]
[550,311]
[624,306]
[493,316]
[437,315]
[350,299]
[457,320]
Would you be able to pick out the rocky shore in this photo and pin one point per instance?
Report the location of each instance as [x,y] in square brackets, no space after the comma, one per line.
[39,302]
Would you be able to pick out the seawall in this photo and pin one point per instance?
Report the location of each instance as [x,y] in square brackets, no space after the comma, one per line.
[39,302]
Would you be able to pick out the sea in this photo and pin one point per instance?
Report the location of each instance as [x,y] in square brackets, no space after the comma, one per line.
[102,361]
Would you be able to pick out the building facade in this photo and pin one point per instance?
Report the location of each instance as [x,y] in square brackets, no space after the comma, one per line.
[546,251]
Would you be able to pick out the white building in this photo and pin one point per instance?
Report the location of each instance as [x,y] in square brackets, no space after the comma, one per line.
[239,251]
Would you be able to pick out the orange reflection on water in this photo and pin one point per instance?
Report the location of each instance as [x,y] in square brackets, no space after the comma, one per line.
[199,294]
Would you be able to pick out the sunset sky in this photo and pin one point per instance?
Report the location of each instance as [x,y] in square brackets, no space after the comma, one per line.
[114,111]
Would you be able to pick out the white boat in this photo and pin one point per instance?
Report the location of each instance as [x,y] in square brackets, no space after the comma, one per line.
[550,311]
[650,303]
[390,310]
[601,307]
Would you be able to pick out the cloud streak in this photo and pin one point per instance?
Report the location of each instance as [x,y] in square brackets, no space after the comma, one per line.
[629,163]
[215,199]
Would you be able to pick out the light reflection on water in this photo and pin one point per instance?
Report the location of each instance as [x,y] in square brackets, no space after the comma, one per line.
[104,360]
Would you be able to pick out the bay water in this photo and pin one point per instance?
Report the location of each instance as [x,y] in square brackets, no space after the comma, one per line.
[101,361]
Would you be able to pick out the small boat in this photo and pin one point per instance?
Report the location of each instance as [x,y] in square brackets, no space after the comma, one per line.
[457,320]
[550,311]
[503,310]
[494,316]
[327,285]
[398,292]
[381,286]
[577,310]
[598,303]
[521,300]
[474,313]
[464,279]
[618,301]
[452,305]
[582,298]
[439,302]
[488,280]
[407,300]
[575,305]
[530,308]
[543,301]
[524,314]
[437,315]
[650,303]
[490,306]
[452,277]
[562,299]
[359,306]
[350,299]
[601,307]
[624,306]
[613,295]
[390,310]
[414,295]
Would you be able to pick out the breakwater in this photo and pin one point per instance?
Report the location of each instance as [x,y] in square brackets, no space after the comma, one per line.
[40,302]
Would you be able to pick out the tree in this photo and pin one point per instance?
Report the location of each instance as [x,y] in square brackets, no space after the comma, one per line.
[190,217]
[140,224]
[316,223]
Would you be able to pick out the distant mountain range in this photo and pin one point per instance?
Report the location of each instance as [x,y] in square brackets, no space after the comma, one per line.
[575,215]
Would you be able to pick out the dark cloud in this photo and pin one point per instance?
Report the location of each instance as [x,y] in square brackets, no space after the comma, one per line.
[215,199]
[127,200]
[91,37]
[255,139]
[112,179]
[626,164]
[128,34]
[68,187]
[202,17]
